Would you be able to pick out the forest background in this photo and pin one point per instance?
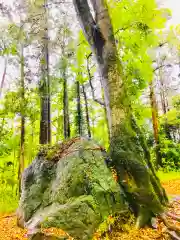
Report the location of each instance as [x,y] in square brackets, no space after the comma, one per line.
[49,75]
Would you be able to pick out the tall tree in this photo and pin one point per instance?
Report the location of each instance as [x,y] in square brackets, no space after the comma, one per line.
[45,122]
[65,106]
[128,149]
[164,102]
[79,109]
[155,121]
[4,74]
[64,69]
[22,138]
[86,111]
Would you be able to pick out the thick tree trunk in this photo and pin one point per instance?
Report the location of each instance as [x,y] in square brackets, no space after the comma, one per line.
[22,138]
[155,125]
[135,173]
[45,122]
[79,110]
[86,111]
[65,108]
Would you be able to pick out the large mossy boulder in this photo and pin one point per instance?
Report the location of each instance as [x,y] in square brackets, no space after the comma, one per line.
[70,187]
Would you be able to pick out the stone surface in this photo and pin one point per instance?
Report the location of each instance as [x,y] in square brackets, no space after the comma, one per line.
[75,193]
[42,236]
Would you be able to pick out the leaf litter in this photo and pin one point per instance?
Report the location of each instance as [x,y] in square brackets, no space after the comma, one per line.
[10,231]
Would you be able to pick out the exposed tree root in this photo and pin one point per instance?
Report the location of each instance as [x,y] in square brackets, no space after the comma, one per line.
[173,216]
[172,229]
[169,224]
[173,235]
[177,202]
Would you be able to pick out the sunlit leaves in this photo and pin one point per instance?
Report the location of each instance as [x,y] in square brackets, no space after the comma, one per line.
[11,50]
[135,25]
[83,49]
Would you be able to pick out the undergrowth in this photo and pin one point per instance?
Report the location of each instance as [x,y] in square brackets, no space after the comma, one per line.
[9,197]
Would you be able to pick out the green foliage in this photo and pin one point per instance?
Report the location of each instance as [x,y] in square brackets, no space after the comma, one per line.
[170,154]
[170,147]
[137,28]
[135,34]
[9,184]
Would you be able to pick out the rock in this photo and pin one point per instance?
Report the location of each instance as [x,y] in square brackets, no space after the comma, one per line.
[74,190]
[43,236]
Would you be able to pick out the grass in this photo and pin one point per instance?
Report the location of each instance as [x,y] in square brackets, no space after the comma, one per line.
[8,207]
[167,176]
[8,200]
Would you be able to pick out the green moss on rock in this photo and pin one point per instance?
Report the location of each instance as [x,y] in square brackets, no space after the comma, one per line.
[75,192]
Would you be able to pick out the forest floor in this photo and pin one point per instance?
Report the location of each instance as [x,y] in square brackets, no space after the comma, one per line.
[10,231]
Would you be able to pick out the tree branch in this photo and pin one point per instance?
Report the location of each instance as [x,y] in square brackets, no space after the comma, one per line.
[162,44]
[123,29]
[165,65]
[90,26]
[162,66]
[87,22]
[90,82]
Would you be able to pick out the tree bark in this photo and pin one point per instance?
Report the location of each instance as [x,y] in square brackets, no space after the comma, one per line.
[45,122]
[66,108]
[22,138]
[164,104]
[79,110]
[91,85]
[87,111]
[143,191]
[154,111]
[4,75]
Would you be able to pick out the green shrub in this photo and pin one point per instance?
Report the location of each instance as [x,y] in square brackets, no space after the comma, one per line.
[170,154]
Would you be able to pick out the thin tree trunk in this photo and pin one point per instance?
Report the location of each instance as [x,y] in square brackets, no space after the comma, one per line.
[22,138]
[79,110]
[155,125]
[59,126]
[66,108]
[164,107]
[45,122]
[87,111]
[102,103]
[4,75]
[126,147]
